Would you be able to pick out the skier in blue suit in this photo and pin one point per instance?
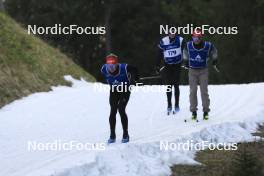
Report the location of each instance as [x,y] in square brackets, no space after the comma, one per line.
[116,75]
[196,56]
[170,51]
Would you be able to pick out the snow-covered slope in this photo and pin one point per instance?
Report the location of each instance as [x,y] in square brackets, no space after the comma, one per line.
[80,114]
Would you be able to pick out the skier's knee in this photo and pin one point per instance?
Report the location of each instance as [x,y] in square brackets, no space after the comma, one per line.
[113,111]
[169,88]
[121,110]
[193,92]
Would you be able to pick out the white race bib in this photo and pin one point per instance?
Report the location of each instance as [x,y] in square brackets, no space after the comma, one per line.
[172,52]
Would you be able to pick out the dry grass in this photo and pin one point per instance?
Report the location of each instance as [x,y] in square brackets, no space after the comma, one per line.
[221,163]
[27,64]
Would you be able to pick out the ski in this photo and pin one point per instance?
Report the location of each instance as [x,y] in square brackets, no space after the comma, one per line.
[190,120]
[111,141]
[173,112]
[116,143]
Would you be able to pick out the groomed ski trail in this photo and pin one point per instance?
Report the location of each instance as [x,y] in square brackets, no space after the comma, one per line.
[81,114]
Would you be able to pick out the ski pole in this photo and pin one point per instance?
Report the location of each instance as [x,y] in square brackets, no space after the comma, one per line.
[223,75]
[216,69]
[150,77]
[161,68]
[184,67]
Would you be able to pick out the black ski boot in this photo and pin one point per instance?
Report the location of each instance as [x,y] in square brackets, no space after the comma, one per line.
[206,116]
[112,139]
[194,116]
[125,138]
[169,110]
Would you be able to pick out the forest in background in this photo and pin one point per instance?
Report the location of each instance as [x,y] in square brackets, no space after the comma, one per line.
[133,31]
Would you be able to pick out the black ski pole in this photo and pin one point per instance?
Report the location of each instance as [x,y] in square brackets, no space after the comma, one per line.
[150,77]
[216,69]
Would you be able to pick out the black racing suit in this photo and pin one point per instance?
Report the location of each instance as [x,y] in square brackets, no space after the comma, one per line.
[118,102]
[171,76]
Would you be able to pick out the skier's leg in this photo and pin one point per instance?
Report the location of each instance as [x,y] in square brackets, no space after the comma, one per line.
[177,95]
[167,80]
[122,111]
[203,79]
[169,95]
[193,83]
[113,100]
[177,75]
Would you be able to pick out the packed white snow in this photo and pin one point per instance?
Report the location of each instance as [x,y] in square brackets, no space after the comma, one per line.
[80,114]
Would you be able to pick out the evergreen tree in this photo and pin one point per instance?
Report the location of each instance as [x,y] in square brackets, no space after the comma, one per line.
[133,31]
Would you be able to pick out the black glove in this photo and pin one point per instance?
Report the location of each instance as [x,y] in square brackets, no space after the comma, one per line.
[214,62]
[185,65]
[216,69]
[133,79]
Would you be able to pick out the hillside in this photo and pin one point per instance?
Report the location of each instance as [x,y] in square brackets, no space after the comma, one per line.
[29,65]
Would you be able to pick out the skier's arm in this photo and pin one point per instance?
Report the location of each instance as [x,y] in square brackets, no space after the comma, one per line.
[159,56]
[214,55]
[133,71]
[183,46]
[185,57]
[102,70]
[158,60]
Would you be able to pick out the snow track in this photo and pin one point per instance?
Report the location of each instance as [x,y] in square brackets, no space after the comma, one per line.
[81,114]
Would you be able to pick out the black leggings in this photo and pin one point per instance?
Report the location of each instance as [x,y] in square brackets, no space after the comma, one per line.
[171,78]
[176,94]
[118,101]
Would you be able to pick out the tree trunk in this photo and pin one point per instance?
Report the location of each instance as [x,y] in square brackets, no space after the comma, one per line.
[108,36]
[2,8]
